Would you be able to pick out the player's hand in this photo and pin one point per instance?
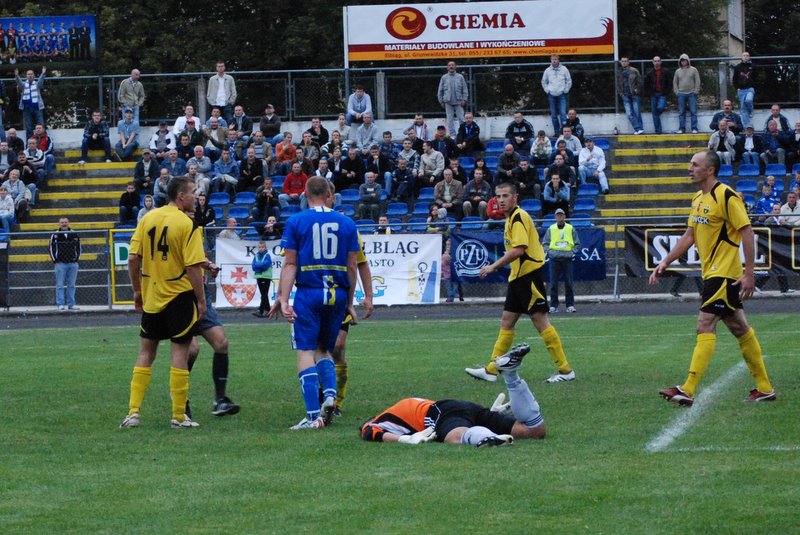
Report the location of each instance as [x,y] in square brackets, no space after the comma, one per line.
[656,274]
[353,314]
[213,270]
[368,307]
[288,312]
[486,270]
[746,286]
[201,310]
[275,310]
[137,302]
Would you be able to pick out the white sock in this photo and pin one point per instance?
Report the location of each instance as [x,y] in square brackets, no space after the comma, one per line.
[524,404]
[473,435]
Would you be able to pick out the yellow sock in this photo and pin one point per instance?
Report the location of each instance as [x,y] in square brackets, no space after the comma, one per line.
[751,351]
[341,383]
[179,388]
[553,344]
[504,340]
[703,351]
[139,385]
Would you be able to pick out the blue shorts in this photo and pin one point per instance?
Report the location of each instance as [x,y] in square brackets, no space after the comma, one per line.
[320,313]
[211,319]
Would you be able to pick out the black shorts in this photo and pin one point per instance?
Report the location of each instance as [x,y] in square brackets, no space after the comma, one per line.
[453,413]
[527,294]
[720,297]
[174,322]
[348,320]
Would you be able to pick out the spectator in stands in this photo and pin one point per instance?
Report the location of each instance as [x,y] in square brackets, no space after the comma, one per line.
[285,151]
[236,146]
[162,140]
[369,197]
[572,143]
[35,158]
[336,141]
[488,175]
[574,122]
[311,150]
[541,149]
[128,131]
[272,230]
[65,252]
[792,145]
[734,120]
[145,172]
[476,195]
[570,158]
[18,192]
[205,169]
[3,97]
[45,143]
[389,149]
[444,144]
[468,139]
[225,175]
[353,170]
[437,219]
[379,165]
[773,145]
[185,148]
[563,170]
[776,195]
[241,124]
[270,125]
[686,84]
[723,142]
[790,212]
[657,84]
[15,143]
[263,150]
[7,157]
[335,165]
[323,170]
[147,205]
[230,230]
[783,282]
[95,136]
[744,80]
[592,165]
[431,165]
[383,226]
[27,175]
[251,172]
[182,121]
[765,203]
[556,193]
[216,113]
[779,118]
[358,104]
[305,163]
[222,92]
[507,162]
[561,243]
[343,128]
[216,138]
[449,194]
[556,82]
[174,165]
[131,95]
[160,197]
[262,272]
[629,87]
[319,134]
[410,155]
[31,102]
[459,173]
[403,180]
[748,146]
[416,142]
[527,179]
[519,132]
[204,215]
[201,183]
[129,205]
[366,135]
[453,96]
[7,211]
[294,186]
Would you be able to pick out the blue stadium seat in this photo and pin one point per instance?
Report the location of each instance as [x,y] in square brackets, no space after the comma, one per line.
[425,194]
[416,224]
[219,199]
[583,204]
[366,226]
[467,162]
[245,198]
[548,220]
[795,168]
[491,162]
[588,190]
[289,211]
[347,209]
[746,186]
[495,146]
[748,169]
[531,205]
[725,170]
[384,196]
[776,169]
[252,234]
[349,195]
[542,171]
[396,224]
[779,185]
[581,219]
[724,181]
[749,199]
[602,143]
[218,212]
[239,213]
[472,222]
[123,236]
[396,209]
[277,181]
[420,208]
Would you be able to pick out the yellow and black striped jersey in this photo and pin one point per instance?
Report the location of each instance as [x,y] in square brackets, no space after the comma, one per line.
[520,231]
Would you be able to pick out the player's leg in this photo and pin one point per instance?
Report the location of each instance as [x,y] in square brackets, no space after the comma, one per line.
[522,402]
[751,352]
[305,336]
[218,340]
[330,327]
[179,382]
[340,364]
[140,381]
[703,350]
[504,340]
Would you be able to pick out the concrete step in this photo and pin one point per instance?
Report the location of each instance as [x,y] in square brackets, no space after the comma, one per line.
[45,242]
[649,181]
[649,167]
[97,154]
[645,197]
[59,212]
[75,225]
[90,182]
[644,212]
[56,196]
[44,258]
[661,139]
[96,166]
[656,152]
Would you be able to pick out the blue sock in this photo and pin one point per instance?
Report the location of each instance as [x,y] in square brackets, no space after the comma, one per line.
[309,384]
[327,376]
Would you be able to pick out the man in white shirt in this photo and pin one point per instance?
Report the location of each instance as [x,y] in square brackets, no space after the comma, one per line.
[222,92]
[790,212]
[180,123]
[592,164]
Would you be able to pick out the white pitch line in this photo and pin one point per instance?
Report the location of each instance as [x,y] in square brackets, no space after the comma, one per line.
[699,449]
[681,423]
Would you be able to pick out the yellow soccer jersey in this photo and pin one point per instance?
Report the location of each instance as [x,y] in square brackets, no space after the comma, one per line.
[716,219]
[520,231]
[361,258]
[167,241]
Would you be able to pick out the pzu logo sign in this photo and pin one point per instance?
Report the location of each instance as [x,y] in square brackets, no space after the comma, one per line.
[470,256]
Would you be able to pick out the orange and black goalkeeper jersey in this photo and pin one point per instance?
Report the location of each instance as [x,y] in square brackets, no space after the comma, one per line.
[520,231]
[406,417]
[716,219]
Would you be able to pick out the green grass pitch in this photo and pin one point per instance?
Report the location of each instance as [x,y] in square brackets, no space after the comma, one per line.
[733,467]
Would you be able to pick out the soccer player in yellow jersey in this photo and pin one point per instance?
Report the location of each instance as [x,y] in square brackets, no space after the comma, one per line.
[526,293]
[165,257]
[718,225]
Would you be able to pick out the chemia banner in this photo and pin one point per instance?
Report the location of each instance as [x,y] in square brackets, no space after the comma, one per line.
[406,269]
[471,251]
[777,250]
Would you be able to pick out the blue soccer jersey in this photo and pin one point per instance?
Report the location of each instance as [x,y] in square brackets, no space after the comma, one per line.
[322,238]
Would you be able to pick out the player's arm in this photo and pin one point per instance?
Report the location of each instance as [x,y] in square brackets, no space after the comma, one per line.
[135,273]
[195,275]
[686,241]
[747,282]
[365,274]
[352,270]
[512,254]
[288,273]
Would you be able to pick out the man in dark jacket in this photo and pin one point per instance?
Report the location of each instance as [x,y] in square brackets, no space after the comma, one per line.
[65,251]
[95,136]
[744,79]
[657,84]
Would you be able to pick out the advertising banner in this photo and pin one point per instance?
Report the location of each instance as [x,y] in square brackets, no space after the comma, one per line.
[478,29]
[471,251]
[59,41]
[777,250]
[406,269]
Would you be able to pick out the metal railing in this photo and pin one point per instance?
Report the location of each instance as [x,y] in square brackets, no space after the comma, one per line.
[495,89]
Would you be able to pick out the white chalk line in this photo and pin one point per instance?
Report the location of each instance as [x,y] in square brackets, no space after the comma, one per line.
[700,449]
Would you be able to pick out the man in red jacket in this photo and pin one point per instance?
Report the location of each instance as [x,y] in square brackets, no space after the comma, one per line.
[293,186]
